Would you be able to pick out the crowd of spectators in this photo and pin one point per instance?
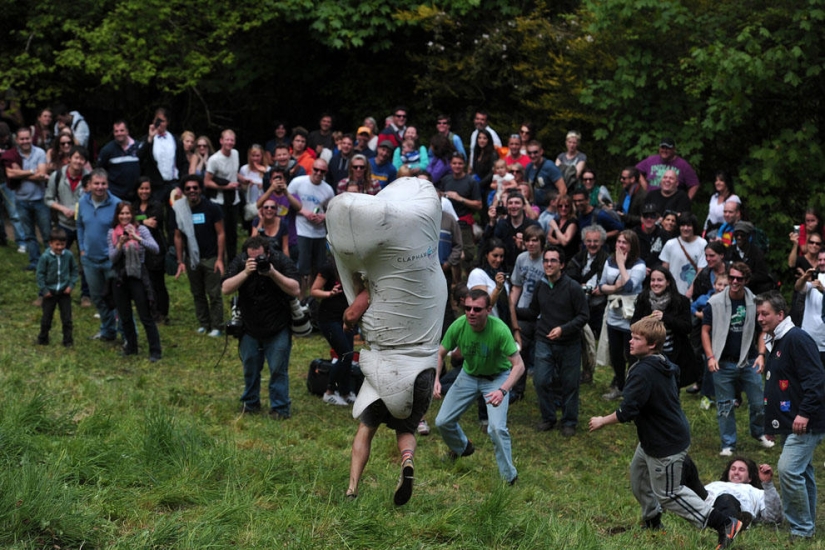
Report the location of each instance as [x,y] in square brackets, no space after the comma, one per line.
[145,203]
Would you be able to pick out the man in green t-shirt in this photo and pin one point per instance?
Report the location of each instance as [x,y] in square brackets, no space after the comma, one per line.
[492,365]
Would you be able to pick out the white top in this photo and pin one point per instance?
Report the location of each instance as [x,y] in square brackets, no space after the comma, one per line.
[226,167]
[716,211]
[164,152]
[812,319]
[313,197]
[478,277]
[678,264]
[255,189]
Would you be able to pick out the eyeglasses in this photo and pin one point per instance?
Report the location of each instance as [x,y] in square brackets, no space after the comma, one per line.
[736,278]
[442,123]
[474,309]
[588,179]
[65,143]
[551,261]
[189,188]
[359,167]
[400,115]
[270,207]
[532,153]
[319,170]
[564,206]
[515,171]
[650,215]
[161,120]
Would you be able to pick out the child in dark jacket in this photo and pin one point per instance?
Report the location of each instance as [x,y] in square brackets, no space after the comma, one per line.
[651,400]
[56,277]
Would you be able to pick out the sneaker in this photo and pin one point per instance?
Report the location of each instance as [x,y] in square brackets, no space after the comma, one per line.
[545,426]
[85,301]
[154,358]
[704,404]
[334,399]
[654,523]
[614,393]
[468,450]
[693,389]
[728,533]
[21,249]
[765,442]
[403,491]
[215,333]
[568,431]
[100,336]
[423,428]
[727,451]
[350,398]
[202,330]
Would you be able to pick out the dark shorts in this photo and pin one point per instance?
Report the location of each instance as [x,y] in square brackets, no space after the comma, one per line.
[377,413]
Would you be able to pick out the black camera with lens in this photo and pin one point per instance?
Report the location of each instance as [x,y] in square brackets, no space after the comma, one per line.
[262,264]
[501,210]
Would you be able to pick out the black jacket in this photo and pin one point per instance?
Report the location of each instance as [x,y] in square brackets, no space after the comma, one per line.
[651,400]
[677,318]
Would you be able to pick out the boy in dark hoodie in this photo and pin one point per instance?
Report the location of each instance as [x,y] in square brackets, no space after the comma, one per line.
[651,400]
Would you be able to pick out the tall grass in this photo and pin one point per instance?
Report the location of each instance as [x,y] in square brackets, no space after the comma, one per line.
[98,451]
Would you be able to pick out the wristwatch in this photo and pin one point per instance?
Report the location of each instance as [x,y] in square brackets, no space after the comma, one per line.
[503,392]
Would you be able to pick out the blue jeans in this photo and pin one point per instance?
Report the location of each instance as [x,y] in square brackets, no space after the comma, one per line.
[311,254]
[11,207]
[276,351]
[71,238]
[97,275]
[797,482]
[724,381]
[461,396]
[562,362]
[34,213]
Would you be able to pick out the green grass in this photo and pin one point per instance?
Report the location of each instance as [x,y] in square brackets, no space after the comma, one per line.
[97,451]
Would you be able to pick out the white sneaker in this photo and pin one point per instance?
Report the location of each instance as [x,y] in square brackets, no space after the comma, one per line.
[215,333]
[423,428]
[21,249]
[202,330]
[350,398]
[334,399]
[727,451]
[765,442]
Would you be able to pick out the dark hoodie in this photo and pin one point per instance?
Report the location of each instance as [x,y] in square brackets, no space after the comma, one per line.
[651,399]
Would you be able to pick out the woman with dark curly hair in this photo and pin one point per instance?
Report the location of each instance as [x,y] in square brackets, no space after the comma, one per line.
[661,300]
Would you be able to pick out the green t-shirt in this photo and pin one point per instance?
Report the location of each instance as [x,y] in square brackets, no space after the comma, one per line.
[486,352]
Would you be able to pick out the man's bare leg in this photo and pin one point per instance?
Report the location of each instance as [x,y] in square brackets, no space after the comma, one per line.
[360,455]
[406,446]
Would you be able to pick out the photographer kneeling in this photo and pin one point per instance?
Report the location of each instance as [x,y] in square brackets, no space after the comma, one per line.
[265,280]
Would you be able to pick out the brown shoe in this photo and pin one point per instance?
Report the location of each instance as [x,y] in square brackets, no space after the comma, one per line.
[38,302]
[85,301]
